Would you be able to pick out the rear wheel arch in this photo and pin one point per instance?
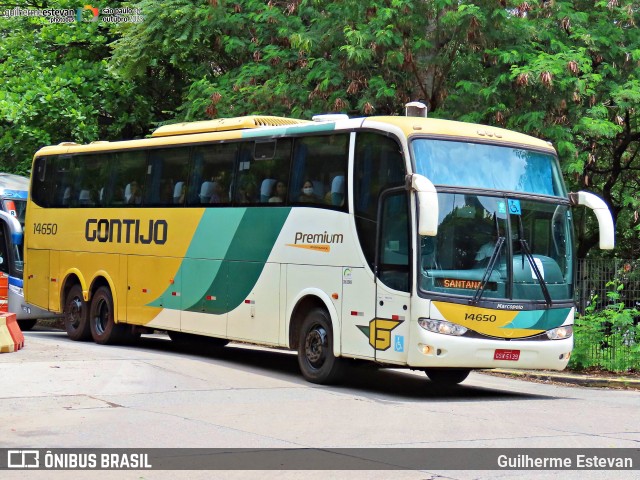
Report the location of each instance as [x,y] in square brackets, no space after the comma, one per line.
[305,303]
[103,280]
[72,278]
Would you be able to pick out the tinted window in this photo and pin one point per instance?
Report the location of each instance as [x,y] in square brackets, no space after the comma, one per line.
[264,179]
[167,177]
[212,174]
[319,168]
[378,165]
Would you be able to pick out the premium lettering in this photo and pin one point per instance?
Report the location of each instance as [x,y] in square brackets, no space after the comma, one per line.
[318,238]
[126,231]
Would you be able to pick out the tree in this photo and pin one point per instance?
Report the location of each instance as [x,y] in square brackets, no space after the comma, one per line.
[568,72]
[57,87]
[564,71]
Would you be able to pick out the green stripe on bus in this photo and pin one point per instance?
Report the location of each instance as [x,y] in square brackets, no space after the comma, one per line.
[240,241]
[540,319]
[290,130]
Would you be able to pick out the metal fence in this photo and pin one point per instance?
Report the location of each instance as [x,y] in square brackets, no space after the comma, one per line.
[607,347]
[592,276]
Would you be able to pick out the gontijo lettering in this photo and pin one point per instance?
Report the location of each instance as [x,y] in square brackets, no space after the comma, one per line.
[126,231]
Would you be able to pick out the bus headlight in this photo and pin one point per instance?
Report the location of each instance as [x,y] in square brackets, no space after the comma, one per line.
[441,326]
[560,333]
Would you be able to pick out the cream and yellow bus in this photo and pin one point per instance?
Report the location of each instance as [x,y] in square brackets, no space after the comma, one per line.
[409,242]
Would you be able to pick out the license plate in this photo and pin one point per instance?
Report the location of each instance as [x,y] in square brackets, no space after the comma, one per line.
[501,354]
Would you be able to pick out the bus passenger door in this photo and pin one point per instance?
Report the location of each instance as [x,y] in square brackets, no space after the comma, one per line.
[390,329]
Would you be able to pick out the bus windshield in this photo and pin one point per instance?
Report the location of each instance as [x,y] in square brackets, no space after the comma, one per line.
[491,247]
[490,167]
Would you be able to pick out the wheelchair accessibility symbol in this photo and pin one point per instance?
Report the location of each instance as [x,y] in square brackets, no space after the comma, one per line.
[399,343]
[514,207]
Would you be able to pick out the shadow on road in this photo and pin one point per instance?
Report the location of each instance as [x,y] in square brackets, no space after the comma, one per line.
[361,377]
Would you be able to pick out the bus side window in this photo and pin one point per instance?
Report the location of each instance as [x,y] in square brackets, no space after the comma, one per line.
[393,262]
[261,167]
[44,182]
[167,172]
[128,175]
[318,173]
[379,165]
[212,173]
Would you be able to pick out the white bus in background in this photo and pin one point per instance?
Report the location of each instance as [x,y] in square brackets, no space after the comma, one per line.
[13,198]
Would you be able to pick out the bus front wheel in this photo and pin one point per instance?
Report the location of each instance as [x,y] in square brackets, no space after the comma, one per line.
[447,376]
[76,315]
[104,329]
[315,348]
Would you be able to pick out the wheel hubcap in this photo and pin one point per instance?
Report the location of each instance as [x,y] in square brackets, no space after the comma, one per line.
[75,313]
[102,317]
[316,346]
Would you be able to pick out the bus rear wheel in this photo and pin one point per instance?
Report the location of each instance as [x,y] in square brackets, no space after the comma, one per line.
[104,329]
[315,349]
[76,315]
[447,376]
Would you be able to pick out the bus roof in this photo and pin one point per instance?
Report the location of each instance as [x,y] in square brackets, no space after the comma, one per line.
[224,125]
[262,126]
[420,126]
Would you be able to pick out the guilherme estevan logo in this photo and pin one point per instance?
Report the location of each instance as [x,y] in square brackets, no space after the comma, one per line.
[82,16]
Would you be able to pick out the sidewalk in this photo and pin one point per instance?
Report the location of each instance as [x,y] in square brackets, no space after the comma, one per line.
[611,380]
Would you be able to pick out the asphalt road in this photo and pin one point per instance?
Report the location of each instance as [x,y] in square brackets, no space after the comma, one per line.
[56,393]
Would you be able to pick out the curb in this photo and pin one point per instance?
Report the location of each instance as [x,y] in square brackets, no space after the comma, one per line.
[11,337]
[574,379]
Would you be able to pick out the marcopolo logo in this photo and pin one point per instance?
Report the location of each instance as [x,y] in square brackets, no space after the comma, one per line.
[126,231]
[510,306]
[320,242]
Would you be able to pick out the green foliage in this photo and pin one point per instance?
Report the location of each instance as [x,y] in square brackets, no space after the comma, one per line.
[57,87]
[608,338]
[565,71]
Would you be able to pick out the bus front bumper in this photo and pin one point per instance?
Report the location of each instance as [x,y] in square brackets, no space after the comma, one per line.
[433,350]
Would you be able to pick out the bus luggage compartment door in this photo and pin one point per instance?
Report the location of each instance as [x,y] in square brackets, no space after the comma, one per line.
[36,283]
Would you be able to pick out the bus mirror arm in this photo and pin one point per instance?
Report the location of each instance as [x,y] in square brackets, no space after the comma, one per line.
[605,221]
[427,204]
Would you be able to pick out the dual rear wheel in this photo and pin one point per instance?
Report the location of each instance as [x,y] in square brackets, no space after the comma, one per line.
[95,319]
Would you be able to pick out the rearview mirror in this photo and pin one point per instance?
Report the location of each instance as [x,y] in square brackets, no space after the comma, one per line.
[427,205]
[605,220]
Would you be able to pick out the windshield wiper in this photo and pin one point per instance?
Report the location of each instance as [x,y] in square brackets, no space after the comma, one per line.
[534,267]
[536,271]
[487,271]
